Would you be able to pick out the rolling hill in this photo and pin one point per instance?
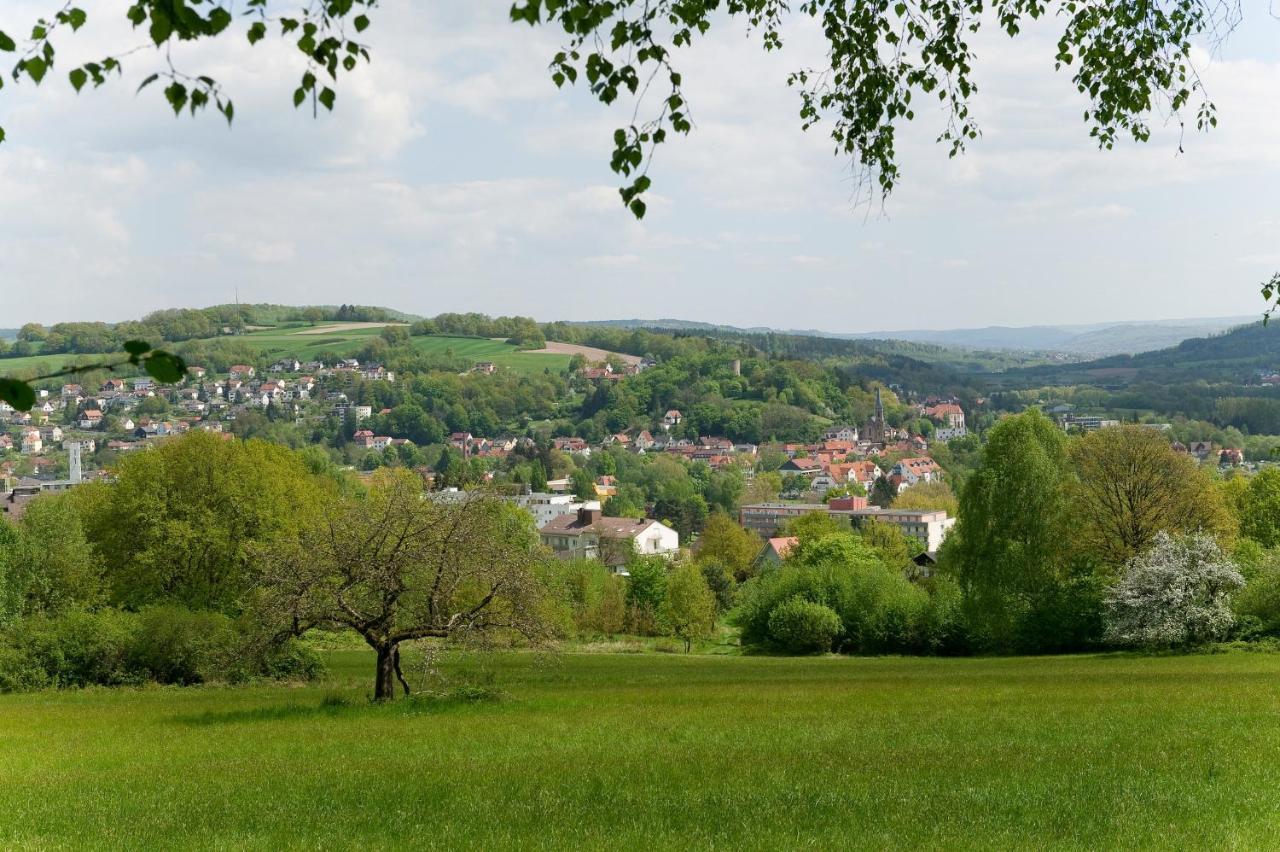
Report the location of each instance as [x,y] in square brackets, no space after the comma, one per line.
[1239,356]
[1086,341]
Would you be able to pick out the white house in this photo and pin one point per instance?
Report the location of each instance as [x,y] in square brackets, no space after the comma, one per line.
[589,535]
[546,507]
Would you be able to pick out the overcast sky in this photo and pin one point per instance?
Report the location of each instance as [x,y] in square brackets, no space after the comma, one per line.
[454,176]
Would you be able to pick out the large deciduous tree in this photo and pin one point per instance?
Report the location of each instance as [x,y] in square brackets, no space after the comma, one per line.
[1133,485]
[177,522]
[1012,533]
[395,566]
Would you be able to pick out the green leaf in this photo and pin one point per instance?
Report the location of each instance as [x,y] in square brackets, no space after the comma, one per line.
[17,393]
[78,78]
[6,43]
[361,22]
[257,32]
[137,348]
[327,97]
[637,208]
[35,67]
[148,81]
[165,367]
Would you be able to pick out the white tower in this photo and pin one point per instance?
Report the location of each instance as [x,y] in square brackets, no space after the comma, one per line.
[73,452]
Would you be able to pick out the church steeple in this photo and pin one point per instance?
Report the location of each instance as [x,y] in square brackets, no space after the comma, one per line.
[879,406]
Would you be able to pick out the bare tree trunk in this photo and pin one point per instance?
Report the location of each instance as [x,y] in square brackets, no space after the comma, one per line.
[384,685]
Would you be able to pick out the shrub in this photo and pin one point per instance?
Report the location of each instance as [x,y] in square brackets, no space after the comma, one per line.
[880,609]
[1258,604]
[166,644]
[1177,593]
[78,648]
[804,627]
[176,645]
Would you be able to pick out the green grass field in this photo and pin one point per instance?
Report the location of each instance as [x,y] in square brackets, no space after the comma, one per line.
[669,752]
[290,342]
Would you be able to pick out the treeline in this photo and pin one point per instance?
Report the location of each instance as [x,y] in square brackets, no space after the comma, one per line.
[521,331]
[1063,544]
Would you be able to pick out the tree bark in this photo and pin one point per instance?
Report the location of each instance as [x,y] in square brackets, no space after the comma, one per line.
[395,660]
[384,684]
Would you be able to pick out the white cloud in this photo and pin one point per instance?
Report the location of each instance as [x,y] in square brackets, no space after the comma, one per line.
[454,176]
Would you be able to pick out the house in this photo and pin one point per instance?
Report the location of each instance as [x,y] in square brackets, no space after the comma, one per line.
[606,486]
[1200,449]
[917,469]
[380,442]
[841,433]
[947,414]
[240,371]
[6,443]
[672,418]
[546,507]
[31,442]
[571,445]
[619,439]
[51,434]
[286,365]
[1231,457]
[113,385]
[588,534]
[776,550]
[90,418]
[802,466]
[488,368]
[197,372]
[644,441]
[362,438]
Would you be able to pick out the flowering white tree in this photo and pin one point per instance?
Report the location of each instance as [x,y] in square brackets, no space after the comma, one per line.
[1177,593]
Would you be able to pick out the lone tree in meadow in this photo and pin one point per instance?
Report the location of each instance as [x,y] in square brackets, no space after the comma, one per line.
[395,566]
[688,608]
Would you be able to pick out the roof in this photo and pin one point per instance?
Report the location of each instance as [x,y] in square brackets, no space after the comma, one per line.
[783,545]
[604,527]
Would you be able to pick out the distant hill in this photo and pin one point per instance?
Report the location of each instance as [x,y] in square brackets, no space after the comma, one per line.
[1085,341]
[1238,356]
[8,334]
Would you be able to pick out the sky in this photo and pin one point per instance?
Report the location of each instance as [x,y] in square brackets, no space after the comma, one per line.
[454,176]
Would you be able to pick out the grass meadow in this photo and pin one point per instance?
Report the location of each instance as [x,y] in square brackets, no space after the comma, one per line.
[293,342]
[652,751]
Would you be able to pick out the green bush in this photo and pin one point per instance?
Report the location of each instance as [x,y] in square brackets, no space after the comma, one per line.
[804,627]
[165,644]
[77,648]
[880,609]
[177,645]
[1258,603]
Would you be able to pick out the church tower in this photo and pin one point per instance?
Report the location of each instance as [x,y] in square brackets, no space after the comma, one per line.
[876,430]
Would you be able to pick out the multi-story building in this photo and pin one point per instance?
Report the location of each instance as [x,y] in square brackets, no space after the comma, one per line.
[929,527]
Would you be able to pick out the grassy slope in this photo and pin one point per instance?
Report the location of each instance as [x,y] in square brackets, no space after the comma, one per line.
[280,343]
[650,751]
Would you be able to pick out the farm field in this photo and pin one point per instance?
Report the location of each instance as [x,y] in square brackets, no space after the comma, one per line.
[650,751]
[307,342]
